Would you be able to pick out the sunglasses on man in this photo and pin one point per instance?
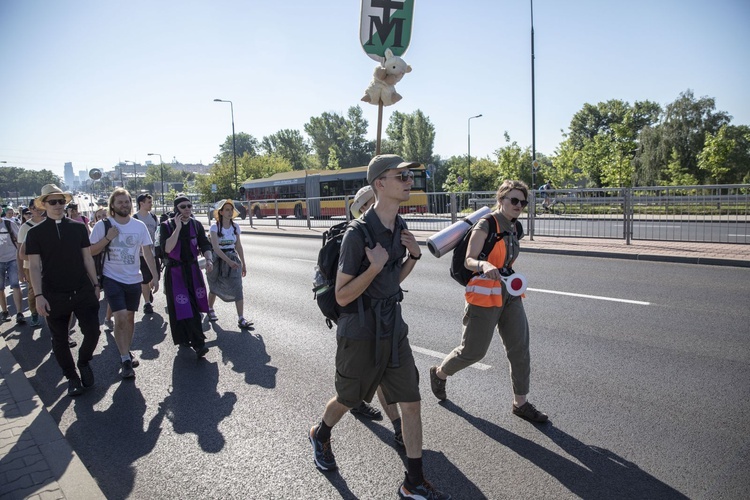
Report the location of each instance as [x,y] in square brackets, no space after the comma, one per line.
[55,202]
[405,175]
[516,201]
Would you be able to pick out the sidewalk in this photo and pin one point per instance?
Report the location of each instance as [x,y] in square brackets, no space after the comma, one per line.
[37,462]
[35,459]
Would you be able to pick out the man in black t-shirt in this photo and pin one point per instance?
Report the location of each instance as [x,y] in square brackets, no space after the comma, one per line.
[64,280]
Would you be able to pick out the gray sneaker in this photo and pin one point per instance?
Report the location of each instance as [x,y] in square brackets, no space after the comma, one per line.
[127,369]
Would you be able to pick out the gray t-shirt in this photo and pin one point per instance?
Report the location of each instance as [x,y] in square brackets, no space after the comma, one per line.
[353,261]
[151,224]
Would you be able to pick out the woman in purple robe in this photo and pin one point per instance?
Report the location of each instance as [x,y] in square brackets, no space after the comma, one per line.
[181,239]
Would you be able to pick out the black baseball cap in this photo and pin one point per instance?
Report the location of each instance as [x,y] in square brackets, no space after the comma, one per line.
[142,197]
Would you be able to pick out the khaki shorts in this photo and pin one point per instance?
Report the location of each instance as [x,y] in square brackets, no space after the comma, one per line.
[357,377]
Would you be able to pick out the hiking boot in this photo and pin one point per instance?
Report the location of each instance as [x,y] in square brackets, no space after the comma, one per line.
[74,386]
[437,384]
[20,320]
[35,320]
[5,316]
[527,412]
[398,437]
[424,491]
[127,369]
[134,361]
[322,453]
[366,411]
[148,308]
[87,375]
[201,351]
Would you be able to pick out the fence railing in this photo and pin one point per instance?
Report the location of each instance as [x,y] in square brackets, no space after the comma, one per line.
[717,214]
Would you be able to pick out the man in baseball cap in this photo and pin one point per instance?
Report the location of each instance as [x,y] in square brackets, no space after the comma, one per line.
[382,163]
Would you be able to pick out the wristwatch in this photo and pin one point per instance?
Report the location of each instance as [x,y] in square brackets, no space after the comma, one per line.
[415,258]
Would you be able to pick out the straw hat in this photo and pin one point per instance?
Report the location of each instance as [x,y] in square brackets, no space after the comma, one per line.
[49,190]
[363,196]
[221,204]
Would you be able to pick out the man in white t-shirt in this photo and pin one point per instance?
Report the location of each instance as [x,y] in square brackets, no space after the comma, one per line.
[122,278]
[37,216]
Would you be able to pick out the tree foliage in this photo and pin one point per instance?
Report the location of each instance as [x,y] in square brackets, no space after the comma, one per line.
[290,145]
[248,167]
[346,135]
[244,144]
[25,182]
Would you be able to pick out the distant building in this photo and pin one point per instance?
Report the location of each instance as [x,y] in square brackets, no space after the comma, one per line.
[68,174]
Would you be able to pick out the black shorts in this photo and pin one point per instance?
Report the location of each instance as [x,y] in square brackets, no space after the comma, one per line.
[122,296]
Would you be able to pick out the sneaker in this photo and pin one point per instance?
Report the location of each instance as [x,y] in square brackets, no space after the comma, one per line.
[35,320]
[109,323]
[398,437]
[212,315]
[127,369]
[366,411]
[322,453]
[148,308]
[437,384]
[245,324]
[74,387]
[134,361]
[5,316]
[20,320]
[87,375]
[200,352]
[425,491]
[528,412]
[71,342]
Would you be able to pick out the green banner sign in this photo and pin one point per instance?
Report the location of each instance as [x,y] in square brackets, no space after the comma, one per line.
[385,24]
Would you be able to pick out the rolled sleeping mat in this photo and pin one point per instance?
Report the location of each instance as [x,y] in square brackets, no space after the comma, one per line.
[446,240]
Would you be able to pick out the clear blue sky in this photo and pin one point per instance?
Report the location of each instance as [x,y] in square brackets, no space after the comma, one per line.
[96,82]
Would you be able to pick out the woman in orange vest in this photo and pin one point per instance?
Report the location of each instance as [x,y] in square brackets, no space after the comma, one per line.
[488,304]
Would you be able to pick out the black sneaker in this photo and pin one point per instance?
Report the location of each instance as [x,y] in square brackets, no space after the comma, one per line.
[366,411]
[71,343]
[87,375]
[424,491]
[74,387]
[527,412]
[437,384]
[127,369]
[148,308]
[201,351]
[20,320]
[135,362]
[322,453]
[5,316]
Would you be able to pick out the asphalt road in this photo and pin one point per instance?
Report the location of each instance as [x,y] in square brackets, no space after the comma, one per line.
[644,369]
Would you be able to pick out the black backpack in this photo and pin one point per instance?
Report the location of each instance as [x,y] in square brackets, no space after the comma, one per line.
[324,284]
[99,258]
[458,269]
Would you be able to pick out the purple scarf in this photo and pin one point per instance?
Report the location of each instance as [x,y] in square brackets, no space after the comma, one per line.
[180,292]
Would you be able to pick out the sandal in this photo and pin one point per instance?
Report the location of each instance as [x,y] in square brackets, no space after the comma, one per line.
[245,324]
[212,315]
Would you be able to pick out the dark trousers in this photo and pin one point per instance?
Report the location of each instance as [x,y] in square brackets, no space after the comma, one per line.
[84,305]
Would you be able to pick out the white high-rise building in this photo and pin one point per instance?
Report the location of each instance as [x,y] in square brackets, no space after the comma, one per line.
[68,175]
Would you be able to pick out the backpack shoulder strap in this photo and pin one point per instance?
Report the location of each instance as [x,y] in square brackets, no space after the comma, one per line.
[10,233]
[153,216]
[362,226]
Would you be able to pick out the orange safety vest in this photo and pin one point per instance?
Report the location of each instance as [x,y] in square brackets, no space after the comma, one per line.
[484,292]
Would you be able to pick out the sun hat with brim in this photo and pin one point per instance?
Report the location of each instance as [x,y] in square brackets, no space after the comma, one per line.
[381,163]
[363,196]
[49,190]
[221,204]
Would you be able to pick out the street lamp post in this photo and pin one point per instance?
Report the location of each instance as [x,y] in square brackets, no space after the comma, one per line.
[161,171]
[469,146]
[234,147]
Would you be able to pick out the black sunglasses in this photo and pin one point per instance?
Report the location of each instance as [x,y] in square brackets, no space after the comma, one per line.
[404,176]
[183,207]
[516,201]
[55,202]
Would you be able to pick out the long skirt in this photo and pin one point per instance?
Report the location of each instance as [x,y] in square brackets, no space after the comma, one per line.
[223,281]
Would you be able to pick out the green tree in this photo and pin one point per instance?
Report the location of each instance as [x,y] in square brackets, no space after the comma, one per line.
[418,138]
[513,162]
[244,143]
[676,174]
[394,144]
[288,144]
[726,155]
[345,135]
[248,167]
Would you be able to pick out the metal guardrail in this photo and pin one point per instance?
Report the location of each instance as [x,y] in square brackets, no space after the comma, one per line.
[717,214]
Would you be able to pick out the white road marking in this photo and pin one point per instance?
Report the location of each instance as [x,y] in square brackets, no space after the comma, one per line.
[306,260]
[595,297]
[440,355]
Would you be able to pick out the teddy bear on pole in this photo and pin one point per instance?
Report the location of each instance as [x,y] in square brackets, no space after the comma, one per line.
[386,76]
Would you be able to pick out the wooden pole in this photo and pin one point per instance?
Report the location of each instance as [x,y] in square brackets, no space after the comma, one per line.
[380,127]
